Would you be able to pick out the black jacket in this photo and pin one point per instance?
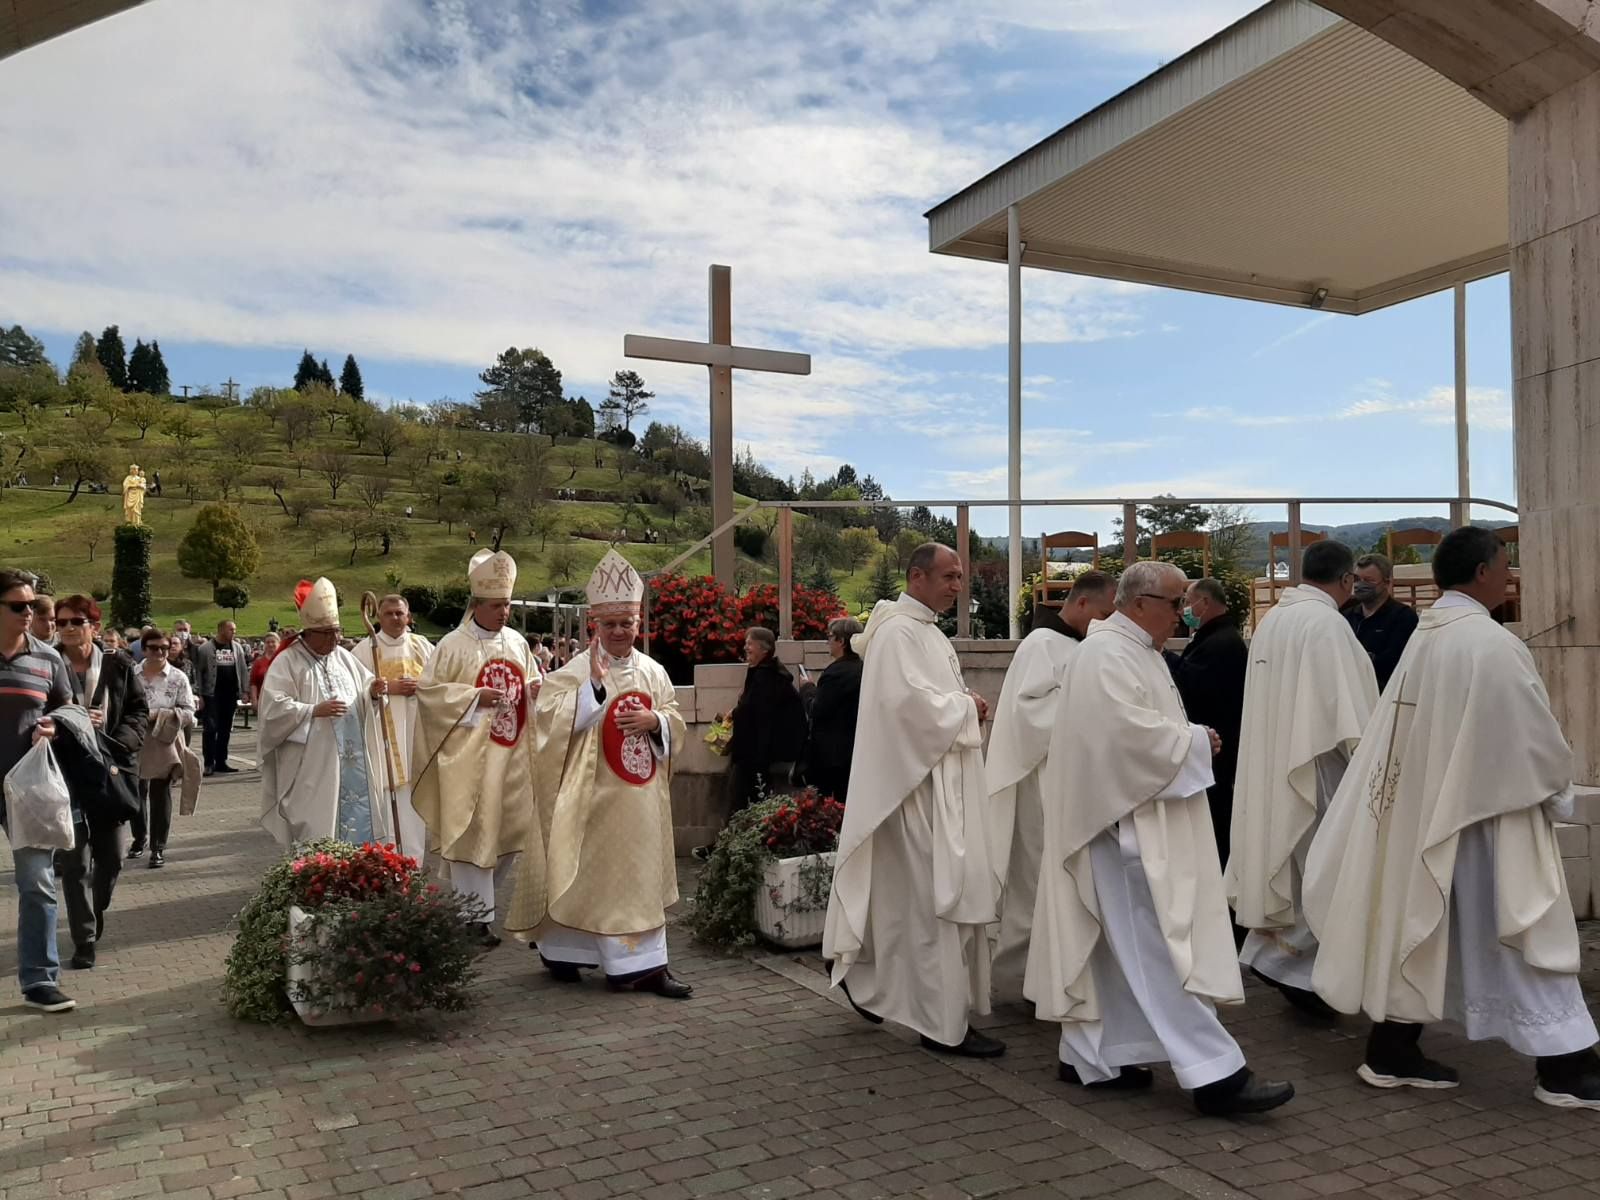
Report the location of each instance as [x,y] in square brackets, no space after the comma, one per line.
[768,722]
[121,735]
[1384,635]
[833,716]
[1210,678]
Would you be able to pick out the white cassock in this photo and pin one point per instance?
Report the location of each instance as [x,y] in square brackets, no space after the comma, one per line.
[1309,691]
[398,658]
[1435,885]
[1132,945]
[1019,741]
[913,884]
[319,775]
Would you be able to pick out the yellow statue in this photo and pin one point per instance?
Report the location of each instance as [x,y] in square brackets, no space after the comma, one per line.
[133,488]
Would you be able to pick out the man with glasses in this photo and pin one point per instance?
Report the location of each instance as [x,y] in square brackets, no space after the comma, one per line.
[1309,691]
[1132,946]
[33,681]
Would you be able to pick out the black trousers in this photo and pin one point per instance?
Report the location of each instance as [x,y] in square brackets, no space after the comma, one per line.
[745,784]
[217,728]
[89,875]
[154,821]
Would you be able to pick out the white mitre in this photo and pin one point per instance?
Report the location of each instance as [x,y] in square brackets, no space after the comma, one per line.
[318,603]
[492,575]
[614,587]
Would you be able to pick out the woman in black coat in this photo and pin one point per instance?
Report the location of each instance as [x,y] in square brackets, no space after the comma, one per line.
[833,714]
[768,722]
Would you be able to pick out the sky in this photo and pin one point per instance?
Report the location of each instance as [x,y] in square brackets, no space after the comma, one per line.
[423,183]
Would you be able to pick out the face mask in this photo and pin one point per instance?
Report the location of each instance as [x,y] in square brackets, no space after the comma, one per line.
[1366,591]
[1189,619]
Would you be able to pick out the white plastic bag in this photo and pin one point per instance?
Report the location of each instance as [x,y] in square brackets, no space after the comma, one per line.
[38,808]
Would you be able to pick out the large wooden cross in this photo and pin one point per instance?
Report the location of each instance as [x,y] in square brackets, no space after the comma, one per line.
[721,357]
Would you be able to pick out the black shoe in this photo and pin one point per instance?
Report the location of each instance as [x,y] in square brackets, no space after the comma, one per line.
[82,958]
[1415,1070]
[1569,1080]
[486,937]
[1128,1080]
[661,983]
[157,859]
[1300,999]
[1240,1093]
[225,769]
[870,1016]
[136,850]
[209,772]
[561,972]
[974,1045]
[100,926]
[47,997]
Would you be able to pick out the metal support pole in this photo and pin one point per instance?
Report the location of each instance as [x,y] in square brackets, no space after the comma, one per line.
[964,549]
[786,573]
[1130,535]
[1014,392]
[1294,544]
[1461,511]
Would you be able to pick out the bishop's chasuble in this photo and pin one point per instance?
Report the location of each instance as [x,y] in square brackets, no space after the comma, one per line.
[398,658]
[914,887]
[1435,885]
[1132,945]
[597,895]
[321,777]
[474,766]
[1019,740]
[1309,692]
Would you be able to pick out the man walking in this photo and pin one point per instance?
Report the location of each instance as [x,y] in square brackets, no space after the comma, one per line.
[222,677]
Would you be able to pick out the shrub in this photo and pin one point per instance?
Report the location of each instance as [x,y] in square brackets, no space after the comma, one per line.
[451,606]
[422,598]
[130,576]
[230,595]
[750,539]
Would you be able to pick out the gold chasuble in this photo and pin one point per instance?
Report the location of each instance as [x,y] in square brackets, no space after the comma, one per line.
[600,856]
[474,763]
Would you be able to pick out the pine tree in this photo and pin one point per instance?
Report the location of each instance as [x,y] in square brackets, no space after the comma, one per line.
[139,367]
[325,377]
[160,381]
[885,583]
[627,400]
[83,351]
[113,357]
[525,379]
[19,348]
[350,379]
[306,373]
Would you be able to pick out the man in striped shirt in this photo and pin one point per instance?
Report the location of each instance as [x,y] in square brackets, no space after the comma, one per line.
[33,682]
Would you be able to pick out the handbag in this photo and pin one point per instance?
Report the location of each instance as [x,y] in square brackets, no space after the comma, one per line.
[158,757]
[116,796]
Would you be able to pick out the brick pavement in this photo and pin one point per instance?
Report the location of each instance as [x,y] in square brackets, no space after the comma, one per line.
[761,1086]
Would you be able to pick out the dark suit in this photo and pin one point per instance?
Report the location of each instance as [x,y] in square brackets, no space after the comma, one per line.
[833,728]
[1383,635]
[89,870]
[1210,678]
[768,727]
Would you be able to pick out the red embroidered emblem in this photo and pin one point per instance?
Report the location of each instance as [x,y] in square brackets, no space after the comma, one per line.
[512,713]
[630,756]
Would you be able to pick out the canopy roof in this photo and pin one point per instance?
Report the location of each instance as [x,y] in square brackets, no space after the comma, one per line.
[25,23]
[1292,152]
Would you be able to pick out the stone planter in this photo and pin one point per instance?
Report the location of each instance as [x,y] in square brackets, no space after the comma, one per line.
[299,972]
[792,902]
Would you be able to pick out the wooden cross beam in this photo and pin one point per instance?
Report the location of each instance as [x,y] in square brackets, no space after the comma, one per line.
[721,357]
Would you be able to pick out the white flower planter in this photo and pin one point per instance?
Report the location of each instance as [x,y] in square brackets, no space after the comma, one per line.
[300,972]
[785,914]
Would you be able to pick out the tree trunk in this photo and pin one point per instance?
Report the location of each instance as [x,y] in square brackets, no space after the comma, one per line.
[77,483]
[285,506]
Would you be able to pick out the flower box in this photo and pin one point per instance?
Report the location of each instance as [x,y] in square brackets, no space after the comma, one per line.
[792,901]
[300,972]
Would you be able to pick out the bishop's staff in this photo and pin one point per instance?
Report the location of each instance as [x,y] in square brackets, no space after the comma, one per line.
[369,618]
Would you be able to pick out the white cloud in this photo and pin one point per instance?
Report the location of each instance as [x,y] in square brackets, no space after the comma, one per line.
[1487,408]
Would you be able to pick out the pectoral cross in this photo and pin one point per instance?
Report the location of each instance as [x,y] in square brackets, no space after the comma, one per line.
[1383,787]
[721,356]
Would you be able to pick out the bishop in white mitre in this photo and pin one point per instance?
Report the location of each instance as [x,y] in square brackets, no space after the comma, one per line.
[606,726]
[472,752]
[914,886]
[1435,884]
[321,770]
[1019,744]
[1132,943]
[1309,691]
[398,656]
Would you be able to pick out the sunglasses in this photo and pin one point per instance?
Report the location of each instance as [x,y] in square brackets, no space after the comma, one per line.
[156,648]
[1175,601]
[19,606]
[73,621]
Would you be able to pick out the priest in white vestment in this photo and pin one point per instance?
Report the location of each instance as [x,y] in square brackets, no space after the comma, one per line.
[397,656]
[606,726]
[1019,740]
[472,751]
[1309,691]
[1132,943]
[321,764]
[1435,884]
[914,886]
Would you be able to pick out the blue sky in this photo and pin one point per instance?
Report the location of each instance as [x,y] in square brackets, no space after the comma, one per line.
[424,184]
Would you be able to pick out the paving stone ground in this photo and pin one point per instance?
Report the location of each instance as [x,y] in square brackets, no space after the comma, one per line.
[762,1085]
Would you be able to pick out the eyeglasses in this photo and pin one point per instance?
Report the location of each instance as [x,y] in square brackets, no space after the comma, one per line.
[73,621]
[156,647]
[1175,601]
[19,606]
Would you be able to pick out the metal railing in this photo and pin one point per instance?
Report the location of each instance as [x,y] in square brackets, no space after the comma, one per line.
[1293,506]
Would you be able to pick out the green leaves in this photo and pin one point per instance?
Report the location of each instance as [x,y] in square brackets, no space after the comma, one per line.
[218,546]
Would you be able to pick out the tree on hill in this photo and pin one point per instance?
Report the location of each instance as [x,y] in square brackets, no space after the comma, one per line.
[543,520]
[325,376]
[139,367]
[885,581]
[298,419]
[335,467]
[627,400]
[83,350]
[83,461]
[113,357]
[160,382]
[19,348]
[857,546]
[388,432]
[306,373]
[213,405]
[525,378]
[142,410]
[181,427]
[564,562]
[350,379]
[89,530]
[87,386]
[218,546]
[267,401]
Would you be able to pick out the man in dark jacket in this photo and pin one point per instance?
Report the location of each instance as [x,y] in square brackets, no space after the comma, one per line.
[222,679]
[1210,678]
[768,722]
[107,684]
[833,714]
[1381,623]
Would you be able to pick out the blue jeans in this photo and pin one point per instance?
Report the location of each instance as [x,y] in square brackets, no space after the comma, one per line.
[36,917]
